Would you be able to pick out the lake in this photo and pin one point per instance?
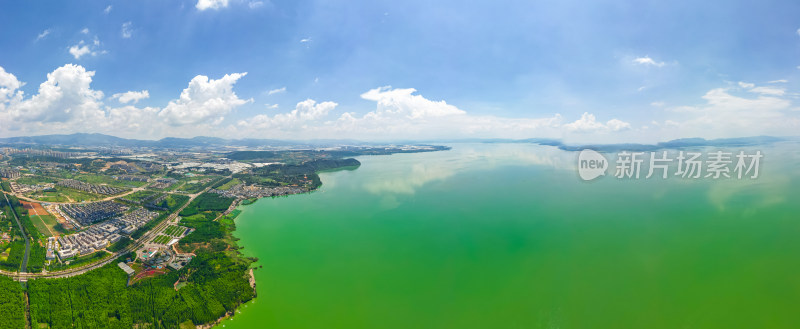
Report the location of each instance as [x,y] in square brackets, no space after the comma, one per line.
[509,236]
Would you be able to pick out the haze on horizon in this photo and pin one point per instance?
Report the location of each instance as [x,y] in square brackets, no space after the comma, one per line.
[610,71]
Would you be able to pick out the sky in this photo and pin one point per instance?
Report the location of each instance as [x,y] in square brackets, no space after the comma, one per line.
[581,71]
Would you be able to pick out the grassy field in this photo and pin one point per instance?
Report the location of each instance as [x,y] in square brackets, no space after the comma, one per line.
[63,194]
[33,180]
[192,184]
[230,184]
[162,239]
[174,230]
[103,179]
[40,224]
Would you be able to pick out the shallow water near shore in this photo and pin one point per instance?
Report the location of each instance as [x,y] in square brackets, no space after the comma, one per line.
[508,236]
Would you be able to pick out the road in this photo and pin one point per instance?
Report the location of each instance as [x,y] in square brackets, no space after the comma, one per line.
[24,267]
[133,246]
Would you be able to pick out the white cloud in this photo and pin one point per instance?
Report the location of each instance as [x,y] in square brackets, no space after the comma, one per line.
[126,30]
[79,50]
[65,97]
[107,10]
[798,31]
[211,4]
[304,112]
[83,48]
[658,104]
[727,115]
[277,91]
[588,123]
[776,91]
[648,61]
[85,30]
[131,96]
[272,106]
[304,40]
[769,91]
[43,34]
[399,113]
[204,101]
[779,81]
[401,102]
[66,103]
[255,4]
[8,86]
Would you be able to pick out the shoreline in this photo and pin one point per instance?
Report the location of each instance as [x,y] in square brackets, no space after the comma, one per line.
[251,280]
[230,314]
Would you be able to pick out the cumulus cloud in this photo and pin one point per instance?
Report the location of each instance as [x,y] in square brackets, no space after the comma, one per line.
[79,50]
[304,112]
[255,4]
[127,31]
[401,102]
[131,96]
[65,96]
[107,10]
[588,123]
[211,4]
[647,61]
[277,91]
[66,103]
[8,86]
[204,101]
[85,30]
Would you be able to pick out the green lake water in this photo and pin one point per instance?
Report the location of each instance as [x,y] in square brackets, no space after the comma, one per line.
[508,236]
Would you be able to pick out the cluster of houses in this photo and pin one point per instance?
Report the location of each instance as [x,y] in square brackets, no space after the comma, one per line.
[242,191]
[150,166]
[132,178]
[25,188]
[162,183]
[88,213]
[100,235]
[125,168]
[92,188]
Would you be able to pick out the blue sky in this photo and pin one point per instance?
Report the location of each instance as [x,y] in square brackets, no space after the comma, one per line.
[599,71]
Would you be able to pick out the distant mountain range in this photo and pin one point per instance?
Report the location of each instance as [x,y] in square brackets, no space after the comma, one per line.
[101,140]
[87,140]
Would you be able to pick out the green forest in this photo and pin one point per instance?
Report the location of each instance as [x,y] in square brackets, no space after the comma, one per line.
[216,284]
[12,304]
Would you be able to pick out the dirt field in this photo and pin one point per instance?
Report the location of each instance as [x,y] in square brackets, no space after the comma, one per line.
[35,208]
